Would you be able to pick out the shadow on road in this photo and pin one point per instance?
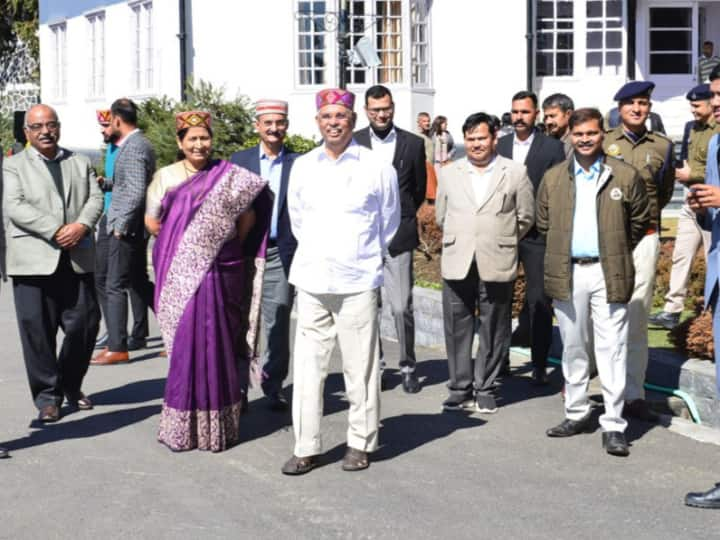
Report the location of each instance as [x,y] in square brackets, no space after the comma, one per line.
[134,392]
[90,426]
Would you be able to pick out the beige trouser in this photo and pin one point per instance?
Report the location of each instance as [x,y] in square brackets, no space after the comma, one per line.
[589,325]
[645,257]
[687,241]
[352,318]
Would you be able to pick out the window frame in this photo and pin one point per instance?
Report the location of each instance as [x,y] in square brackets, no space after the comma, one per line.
[142,68]
[59,60]
[96,82]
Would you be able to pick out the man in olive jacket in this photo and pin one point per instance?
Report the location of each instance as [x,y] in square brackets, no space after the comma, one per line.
[589,271]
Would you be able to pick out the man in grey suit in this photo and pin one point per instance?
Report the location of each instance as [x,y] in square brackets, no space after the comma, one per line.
[52,202]
[485,205]
[127,265]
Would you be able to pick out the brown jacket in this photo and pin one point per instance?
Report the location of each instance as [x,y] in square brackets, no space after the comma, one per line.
[623,214]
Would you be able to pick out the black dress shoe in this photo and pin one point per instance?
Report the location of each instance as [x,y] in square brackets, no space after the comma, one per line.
[49,414]
[615,444]
[539,377]
[707,499]
[455,403]
[410,382]
[277,402]
[639,408]
[102,341]
[568,428]
[136,344]
[4,453]
[665,320]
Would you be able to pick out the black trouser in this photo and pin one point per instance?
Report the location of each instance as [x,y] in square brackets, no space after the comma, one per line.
[127,270]
[493,301]
[137,304]
[43,304]
[539,306]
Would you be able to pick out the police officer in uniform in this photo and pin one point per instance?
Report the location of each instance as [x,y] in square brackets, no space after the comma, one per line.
[651,154]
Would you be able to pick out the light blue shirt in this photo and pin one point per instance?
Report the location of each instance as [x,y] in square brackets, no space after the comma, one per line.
[272,172]
[585,228]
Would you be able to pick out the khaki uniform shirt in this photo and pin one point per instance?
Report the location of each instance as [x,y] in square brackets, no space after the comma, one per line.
[700,136]
[652,155]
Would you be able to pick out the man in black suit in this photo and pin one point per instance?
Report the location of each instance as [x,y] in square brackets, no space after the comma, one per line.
[406,152]
[538,152]
[272,160]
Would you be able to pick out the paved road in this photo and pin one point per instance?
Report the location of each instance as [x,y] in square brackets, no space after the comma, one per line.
[100,474]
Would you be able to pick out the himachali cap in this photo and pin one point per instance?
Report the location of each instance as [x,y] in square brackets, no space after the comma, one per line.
[334,96]
[270,106]
[192,119]
[700,93]
[103,116]
[634,89]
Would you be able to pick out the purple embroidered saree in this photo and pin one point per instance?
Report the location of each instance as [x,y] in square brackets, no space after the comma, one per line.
[207,300]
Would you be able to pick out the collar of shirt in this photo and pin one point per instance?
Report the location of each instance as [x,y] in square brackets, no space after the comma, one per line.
[592,173]
[526,142]
[351,152]
[487,170]
[634,137]
[126,137]
[263,155]
[387,140]
[60,153]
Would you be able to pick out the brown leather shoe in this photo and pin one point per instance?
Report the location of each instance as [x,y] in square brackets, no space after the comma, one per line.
[296,466]
[49,414]
[80,401]
[109,358]
[355,460]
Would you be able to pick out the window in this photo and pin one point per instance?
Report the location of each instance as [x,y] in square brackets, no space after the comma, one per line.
[388,41]
[59,61]
[356,29]
[671,41]
[554,54]
[311,43]
[420,62]
[96,80]
[604,38]
[142,74]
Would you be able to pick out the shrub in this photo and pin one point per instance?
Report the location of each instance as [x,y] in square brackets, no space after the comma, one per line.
[694,336]
[696,283]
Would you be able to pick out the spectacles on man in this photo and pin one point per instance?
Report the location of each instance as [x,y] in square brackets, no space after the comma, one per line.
[52,126]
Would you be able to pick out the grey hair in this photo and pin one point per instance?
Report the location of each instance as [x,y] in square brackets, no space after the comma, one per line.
[561,101]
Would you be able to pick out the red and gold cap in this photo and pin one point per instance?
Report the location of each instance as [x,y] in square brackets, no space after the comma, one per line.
[334,96]
[103,116]
[190,119]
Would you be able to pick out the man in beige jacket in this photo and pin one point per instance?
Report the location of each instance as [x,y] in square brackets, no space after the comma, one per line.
[485,205]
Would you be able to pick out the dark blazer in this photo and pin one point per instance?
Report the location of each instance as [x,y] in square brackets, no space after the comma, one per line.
[409,163]
[685,142]
[545,152]
[250,160]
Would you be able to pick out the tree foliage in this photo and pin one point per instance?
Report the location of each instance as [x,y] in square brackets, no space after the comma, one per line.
[19,23]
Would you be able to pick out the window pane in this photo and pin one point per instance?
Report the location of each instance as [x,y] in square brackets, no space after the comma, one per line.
[544,64]
[671,40]
[595,24]
[319,77]
[319,42]
[594,40]
[565,9]
[613,24]
[319,59]
[613,8]
[594,9]
[613,58]
[319,24]
[304,24]
[565,24]
[545,41]
[545,10]
[304,42]
[319,7]
[613,40]
[564,64]
[565,41]
[665,63]
[305,59]
[303,8]
[594,59]
[545,24]
[670,17]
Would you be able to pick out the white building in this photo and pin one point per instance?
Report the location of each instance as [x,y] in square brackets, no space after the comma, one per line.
[450,57]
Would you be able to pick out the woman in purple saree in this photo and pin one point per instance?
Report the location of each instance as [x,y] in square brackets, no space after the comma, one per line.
[211,220]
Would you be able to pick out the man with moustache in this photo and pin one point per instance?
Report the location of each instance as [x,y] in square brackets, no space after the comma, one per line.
[593,210]
[52,203]
[705,200]
[344,206]
[485,205]
[689,234]
[557,109]
[406,153]
[538,152]
[272,160]
[127,265]
[139,308]
[651,154]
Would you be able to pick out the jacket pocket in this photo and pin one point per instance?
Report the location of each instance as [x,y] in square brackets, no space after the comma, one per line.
[448,240]
[507,240]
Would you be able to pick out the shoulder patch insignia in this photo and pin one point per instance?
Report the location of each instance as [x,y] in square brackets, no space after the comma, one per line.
[616,194]
[613,150]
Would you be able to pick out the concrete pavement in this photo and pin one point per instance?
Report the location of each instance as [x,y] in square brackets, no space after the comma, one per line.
[101,473]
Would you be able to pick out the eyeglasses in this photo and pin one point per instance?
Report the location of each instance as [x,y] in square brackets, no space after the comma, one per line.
[378,110]
[52,126]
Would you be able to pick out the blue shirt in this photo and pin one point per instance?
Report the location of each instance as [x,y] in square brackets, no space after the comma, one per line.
[110,154]
[272,172]
[585,229]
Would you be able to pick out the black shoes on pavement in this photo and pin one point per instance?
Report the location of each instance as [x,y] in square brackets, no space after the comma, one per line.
[568,428]
[665,320]
[707,499]
[277,402]
[455,403]
[485,404]
[615,444]
[410,382]
[135,344]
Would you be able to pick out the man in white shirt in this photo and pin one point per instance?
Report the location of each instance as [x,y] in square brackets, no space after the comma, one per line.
[344,210]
